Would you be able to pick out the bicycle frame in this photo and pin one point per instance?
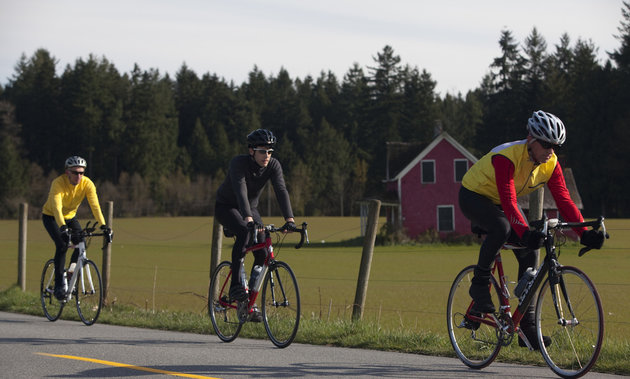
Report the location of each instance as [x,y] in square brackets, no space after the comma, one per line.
[266,245]
[79,269]
[549,267]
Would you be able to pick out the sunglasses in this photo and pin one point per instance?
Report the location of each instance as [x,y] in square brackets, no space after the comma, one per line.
[264,151]
[77,173]
[548,145]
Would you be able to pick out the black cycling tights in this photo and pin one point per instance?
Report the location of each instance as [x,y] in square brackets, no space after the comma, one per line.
[232,220]
[482,212]
[60,246]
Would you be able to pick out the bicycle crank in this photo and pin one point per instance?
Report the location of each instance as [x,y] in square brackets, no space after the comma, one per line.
[242,311]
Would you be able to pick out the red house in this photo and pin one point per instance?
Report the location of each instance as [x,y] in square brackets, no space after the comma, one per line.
[427,188]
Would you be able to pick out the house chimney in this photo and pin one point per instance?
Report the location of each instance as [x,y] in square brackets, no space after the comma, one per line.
[437,129]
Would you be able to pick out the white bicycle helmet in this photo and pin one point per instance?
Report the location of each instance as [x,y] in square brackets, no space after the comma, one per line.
[76,161]
[547,127]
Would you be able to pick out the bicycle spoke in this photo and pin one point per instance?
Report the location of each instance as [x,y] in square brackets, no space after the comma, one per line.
[51,306]
[88,293]
[223,314]
[281,305]
[475,342]
[570,312]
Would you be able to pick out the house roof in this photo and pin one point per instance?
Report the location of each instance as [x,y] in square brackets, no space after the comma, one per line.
[424,150]
[400,152]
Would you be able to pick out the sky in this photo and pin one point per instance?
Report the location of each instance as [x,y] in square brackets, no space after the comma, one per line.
[454,41]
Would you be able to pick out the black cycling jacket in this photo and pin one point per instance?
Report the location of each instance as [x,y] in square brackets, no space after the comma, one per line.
[245,181]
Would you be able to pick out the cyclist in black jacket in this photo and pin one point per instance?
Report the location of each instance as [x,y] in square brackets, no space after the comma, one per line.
[236,205]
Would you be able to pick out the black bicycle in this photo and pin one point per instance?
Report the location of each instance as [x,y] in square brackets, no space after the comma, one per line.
[568,309]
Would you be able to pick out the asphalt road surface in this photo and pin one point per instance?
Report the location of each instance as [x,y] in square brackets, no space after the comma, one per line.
[33,347]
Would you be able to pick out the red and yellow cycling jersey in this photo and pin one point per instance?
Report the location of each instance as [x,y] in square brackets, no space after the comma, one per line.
[64,199]
[528,177]
[507,172]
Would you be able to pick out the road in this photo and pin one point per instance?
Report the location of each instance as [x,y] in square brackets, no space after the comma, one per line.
[33,347]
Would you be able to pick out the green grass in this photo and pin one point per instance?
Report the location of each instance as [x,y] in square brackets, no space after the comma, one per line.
[160,274]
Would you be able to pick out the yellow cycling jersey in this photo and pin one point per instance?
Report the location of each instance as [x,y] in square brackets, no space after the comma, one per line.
[528,177]
[64,199]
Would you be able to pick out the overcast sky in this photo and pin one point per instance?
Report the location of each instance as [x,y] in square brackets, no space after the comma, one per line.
[455,41]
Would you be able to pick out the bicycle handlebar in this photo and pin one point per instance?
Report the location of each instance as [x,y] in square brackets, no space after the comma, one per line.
[272,229]
[88,231]
[546,224]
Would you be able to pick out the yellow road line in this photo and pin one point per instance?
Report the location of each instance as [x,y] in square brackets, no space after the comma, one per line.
[116,364]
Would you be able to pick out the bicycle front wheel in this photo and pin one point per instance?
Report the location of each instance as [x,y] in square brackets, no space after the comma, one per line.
[52,307]
[88,291]
[223,312]
[281,304]
[570,312]
[476,344]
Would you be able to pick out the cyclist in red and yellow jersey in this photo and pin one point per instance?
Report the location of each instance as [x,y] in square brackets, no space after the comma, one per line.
[67,191]
[488,198]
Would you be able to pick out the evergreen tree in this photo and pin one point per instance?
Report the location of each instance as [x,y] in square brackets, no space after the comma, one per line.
[385,83]
[150,138]
[535,69]
[505,106]
[13,175]
[419,111]
[189,103]
[354,100]
[92,95]
[34,91]
[621,56]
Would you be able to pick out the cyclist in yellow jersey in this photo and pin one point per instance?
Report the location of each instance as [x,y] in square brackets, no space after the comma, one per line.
[67,191]
[488,198]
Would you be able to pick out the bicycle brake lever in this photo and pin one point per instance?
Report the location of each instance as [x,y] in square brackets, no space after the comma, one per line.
[303,235]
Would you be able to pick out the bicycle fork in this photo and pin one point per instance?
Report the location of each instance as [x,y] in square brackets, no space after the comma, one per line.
[559,292]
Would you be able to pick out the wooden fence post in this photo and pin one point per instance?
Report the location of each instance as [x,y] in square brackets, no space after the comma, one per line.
[366,259]
[107,252]
[23,221]
[536,200]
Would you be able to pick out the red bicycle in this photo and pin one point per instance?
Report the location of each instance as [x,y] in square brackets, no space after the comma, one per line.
[280,294]
[568,309]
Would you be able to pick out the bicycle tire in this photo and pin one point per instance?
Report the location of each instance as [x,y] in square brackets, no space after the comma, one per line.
[222,312]
[574,347]
[88,291]
[281,304]
[476,348]
[52,307]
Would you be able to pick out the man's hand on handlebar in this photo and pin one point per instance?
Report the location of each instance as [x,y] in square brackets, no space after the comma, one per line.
[65,233]
[107,231]
[593,239]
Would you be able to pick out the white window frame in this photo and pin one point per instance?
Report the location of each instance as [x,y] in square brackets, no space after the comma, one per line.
[452,208]
[422,162]
[455,161]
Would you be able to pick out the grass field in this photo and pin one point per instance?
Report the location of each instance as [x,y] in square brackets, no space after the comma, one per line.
[163,264]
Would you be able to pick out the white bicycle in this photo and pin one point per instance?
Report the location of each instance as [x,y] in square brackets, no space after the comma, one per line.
[83,281]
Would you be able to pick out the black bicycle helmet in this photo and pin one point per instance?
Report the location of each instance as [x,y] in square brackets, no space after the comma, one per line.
[261,137]
[76,161]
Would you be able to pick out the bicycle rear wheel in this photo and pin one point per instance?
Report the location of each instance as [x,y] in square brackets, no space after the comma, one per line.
[52,307]
[281,304]
[575,325]
[223,312]
[476,344]
[88,291]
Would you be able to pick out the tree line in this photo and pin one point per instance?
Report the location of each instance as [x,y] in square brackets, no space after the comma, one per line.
[158,145]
